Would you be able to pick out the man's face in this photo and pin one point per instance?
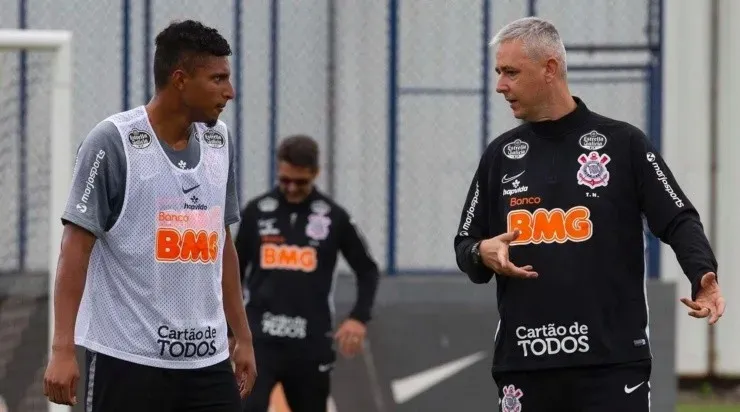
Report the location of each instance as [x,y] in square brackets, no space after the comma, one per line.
[521,79]
[295,182]
[208,88]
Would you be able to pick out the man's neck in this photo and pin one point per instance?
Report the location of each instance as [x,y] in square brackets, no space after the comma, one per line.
[559,104]
[170,124]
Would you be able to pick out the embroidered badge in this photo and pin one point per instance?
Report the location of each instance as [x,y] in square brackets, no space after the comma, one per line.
[318,227]
[510,402]
[593,171]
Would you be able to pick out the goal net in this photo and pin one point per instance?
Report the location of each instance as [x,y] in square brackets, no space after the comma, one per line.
[36,161]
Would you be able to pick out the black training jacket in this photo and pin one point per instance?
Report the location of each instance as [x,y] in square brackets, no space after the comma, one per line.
[291,252]
[577,188]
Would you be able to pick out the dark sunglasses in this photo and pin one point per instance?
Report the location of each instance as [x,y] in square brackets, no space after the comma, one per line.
[298,182]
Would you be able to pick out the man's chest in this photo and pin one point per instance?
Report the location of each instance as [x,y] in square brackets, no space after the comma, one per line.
[294,240]
[299,227]
[553,190]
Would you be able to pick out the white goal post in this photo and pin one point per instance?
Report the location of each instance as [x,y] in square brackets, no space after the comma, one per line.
[58,42]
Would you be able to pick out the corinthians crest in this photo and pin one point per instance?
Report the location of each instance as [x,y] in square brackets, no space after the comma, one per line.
[593,171]
[510,402]
[318,226]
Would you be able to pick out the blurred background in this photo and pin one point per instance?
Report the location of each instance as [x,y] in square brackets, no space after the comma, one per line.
[400,94]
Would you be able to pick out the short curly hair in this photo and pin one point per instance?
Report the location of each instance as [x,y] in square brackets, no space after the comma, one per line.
[300,151]
[181,43]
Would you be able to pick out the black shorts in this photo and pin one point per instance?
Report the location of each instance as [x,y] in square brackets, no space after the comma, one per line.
[115,385]
[302,370]
[612,388]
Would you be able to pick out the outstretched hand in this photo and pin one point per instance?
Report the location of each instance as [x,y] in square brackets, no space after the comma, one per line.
[709,301]
[495,254]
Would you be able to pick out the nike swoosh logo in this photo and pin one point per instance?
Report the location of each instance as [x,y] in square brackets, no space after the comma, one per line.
[632,389]
[411,386]
[325,368]
[506,179]
[186,191]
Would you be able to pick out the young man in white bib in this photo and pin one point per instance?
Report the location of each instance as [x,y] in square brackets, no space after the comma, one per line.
[148,275]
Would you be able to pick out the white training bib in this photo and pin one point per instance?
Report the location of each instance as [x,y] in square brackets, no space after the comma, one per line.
[153,291]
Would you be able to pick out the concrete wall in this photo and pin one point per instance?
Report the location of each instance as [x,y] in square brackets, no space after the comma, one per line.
[686,148]
[431,341]
[700,144]
[420,323]
[728,175]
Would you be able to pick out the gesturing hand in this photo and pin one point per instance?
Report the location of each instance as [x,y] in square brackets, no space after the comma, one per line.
[495,254]
[709,300]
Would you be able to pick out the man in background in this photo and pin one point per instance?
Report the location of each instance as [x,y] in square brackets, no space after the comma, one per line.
[289,239]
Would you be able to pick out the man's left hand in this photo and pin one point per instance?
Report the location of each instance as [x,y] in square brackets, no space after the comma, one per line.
[245,367]
[709,300]
[350,337]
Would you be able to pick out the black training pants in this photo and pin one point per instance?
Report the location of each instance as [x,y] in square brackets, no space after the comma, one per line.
[303,373]
[115,385]
[609,388]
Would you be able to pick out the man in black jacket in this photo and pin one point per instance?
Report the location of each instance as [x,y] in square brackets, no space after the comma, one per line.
[555,212]
[290,238]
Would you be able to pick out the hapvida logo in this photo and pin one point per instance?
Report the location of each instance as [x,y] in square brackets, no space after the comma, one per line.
[194,205]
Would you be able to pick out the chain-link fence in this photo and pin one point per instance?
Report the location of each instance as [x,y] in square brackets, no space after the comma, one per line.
[25,170]
[25,167]
[440,96]
[615,63]
[444,108]
[399,94]
[384,88]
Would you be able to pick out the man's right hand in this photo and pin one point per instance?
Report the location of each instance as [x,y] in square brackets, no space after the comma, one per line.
[61,377]
[494,253]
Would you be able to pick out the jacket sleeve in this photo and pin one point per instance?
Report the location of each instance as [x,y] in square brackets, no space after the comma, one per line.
[474,224]
[355,250]
[245,239]
[669,213]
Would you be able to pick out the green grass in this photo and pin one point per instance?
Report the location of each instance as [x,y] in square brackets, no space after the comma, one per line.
[708,408]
